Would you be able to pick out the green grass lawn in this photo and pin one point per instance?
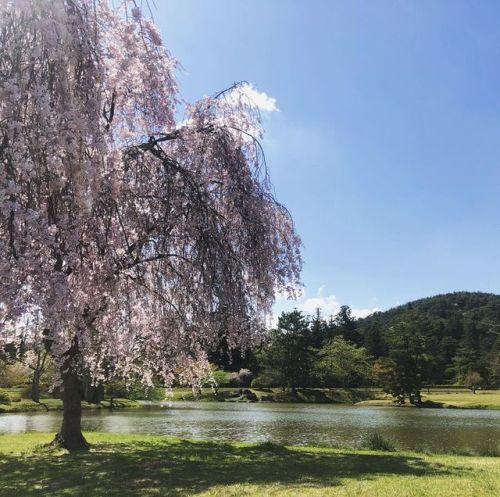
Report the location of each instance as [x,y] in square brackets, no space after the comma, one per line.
[143,466]
[487,399]
[461,399]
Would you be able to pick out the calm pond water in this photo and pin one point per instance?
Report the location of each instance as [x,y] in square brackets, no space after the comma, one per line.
[291,424]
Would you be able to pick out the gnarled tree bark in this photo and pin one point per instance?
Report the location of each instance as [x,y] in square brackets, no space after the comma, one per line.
[70,435]
[35,387]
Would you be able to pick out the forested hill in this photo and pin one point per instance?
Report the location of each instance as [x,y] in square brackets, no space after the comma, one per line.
[477,305]
[462,328]
[446,339]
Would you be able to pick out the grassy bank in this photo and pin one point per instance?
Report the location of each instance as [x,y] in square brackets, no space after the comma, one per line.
[18,404]
[307,395]
[137,465]
[453,399]
[439,397]
[445,398]
[27,405]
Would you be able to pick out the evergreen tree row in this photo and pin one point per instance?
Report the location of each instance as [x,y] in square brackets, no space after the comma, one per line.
[449,339]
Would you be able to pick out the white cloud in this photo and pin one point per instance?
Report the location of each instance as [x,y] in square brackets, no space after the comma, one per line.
[328,304]
[259,99]
[362,313]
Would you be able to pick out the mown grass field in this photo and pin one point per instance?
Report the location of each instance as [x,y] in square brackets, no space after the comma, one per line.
[486,399]
[145,466]
[449,398]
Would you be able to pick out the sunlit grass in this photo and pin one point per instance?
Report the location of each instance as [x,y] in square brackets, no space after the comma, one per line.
[482,399]
[141,465]
[489,399]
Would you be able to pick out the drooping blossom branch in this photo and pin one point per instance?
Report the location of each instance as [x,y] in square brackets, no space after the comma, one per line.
[141,239]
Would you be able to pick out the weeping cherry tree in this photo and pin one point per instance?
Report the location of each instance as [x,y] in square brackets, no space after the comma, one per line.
[139,239]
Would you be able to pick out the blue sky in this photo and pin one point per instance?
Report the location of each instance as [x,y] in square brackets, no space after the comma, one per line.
[386,144]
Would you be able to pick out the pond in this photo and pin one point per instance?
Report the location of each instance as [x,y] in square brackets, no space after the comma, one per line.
[290,424]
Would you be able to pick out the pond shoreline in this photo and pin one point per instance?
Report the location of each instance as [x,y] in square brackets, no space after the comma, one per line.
[46,405]
[332,425]
[446,399]
[428,405]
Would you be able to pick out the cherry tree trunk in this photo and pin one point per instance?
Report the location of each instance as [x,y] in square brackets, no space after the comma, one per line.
[70,435]
[35,387]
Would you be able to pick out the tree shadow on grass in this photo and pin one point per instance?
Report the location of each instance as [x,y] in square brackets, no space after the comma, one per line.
[189,467]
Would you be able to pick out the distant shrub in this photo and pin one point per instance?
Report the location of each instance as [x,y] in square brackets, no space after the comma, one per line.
[262,381]
[242,378]
[267,379]
[4,397]
[222,378]
[119,389]
[377,442]
[14,375]
[116,389]
[146,393]
[156,394]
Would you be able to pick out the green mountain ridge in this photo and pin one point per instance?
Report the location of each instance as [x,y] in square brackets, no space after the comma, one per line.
[445,304]
[451,339]
[464,327]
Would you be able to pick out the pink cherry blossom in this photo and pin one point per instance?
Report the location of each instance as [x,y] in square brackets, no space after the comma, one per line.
[138,239]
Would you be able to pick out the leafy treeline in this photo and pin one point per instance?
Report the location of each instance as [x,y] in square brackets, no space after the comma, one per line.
[461,331]
[451,339]
[446,339]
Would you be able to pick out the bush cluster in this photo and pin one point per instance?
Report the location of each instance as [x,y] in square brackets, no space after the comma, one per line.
[4,397]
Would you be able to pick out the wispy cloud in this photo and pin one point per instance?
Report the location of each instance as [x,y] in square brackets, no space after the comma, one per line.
[327,304]
[330,305]
[258,99]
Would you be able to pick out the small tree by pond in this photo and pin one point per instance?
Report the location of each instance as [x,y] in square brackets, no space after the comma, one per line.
[287,358]
[473,380]
[341,363]
[407,368]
